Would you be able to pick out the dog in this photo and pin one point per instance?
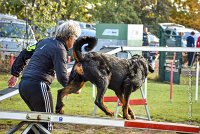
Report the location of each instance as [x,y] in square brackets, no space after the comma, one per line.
[123,76]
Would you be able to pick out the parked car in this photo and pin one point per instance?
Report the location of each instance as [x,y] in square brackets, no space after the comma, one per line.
[173,30]
[86,29]
[90,26]
[84,25]
[167,25]
[88,32]
[15,35]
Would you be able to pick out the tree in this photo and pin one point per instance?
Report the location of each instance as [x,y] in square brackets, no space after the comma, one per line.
[39,13]
[44,14]
[115,11]
[11,6]
[151,12]
[186,13]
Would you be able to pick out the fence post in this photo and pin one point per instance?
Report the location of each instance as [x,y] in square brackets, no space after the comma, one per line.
[171,80]
[197,81]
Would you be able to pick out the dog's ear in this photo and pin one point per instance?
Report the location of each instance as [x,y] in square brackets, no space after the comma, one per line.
[150,67]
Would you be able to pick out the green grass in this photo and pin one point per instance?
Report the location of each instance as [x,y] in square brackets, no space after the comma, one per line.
[158,102]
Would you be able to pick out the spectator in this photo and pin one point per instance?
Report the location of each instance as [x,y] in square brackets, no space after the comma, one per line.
[146,42]
[181,34]
[190,43]
[197,56]
[198,42]
[180,43]
[46,57]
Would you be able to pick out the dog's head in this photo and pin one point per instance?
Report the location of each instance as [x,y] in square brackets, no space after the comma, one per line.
[147,66]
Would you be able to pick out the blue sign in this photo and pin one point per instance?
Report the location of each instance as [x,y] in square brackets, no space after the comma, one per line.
[60,118]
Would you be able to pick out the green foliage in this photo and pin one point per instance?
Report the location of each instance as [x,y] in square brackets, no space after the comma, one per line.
[151,12]
[44,14]
[116,11]
[186,13]
[11,6]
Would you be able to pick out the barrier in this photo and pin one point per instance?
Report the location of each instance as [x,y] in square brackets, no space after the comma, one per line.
[8,92]
[33,118]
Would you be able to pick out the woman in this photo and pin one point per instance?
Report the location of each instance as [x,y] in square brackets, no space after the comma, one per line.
[46,57]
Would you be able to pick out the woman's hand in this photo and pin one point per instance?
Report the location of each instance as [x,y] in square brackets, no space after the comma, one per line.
[12,81]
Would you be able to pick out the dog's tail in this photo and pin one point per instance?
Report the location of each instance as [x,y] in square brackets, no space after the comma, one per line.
[77,49]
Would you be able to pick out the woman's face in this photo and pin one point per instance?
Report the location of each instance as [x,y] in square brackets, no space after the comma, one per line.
[70,42]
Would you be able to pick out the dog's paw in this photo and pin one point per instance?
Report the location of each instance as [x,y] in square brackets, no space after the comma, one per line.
[110,113]
[133,117]
[128,117]
[60,111]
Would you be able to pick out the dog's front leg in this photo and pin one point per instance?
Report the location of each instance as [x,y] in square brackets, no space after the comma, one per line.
[126,110]
[59,103]
[130,111]
[121,98]
[73,87]
[127,92]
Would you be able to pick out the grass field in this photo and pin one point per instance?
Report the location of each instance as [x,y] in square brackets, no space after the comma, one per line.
[158,102]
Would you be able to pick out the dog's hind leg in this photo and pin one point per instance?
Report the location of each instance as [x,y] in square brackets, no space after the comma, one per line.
[101,89]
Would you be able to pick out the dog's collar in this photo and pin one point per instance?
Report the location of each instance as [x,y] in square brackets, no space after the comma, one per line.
[63,42]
